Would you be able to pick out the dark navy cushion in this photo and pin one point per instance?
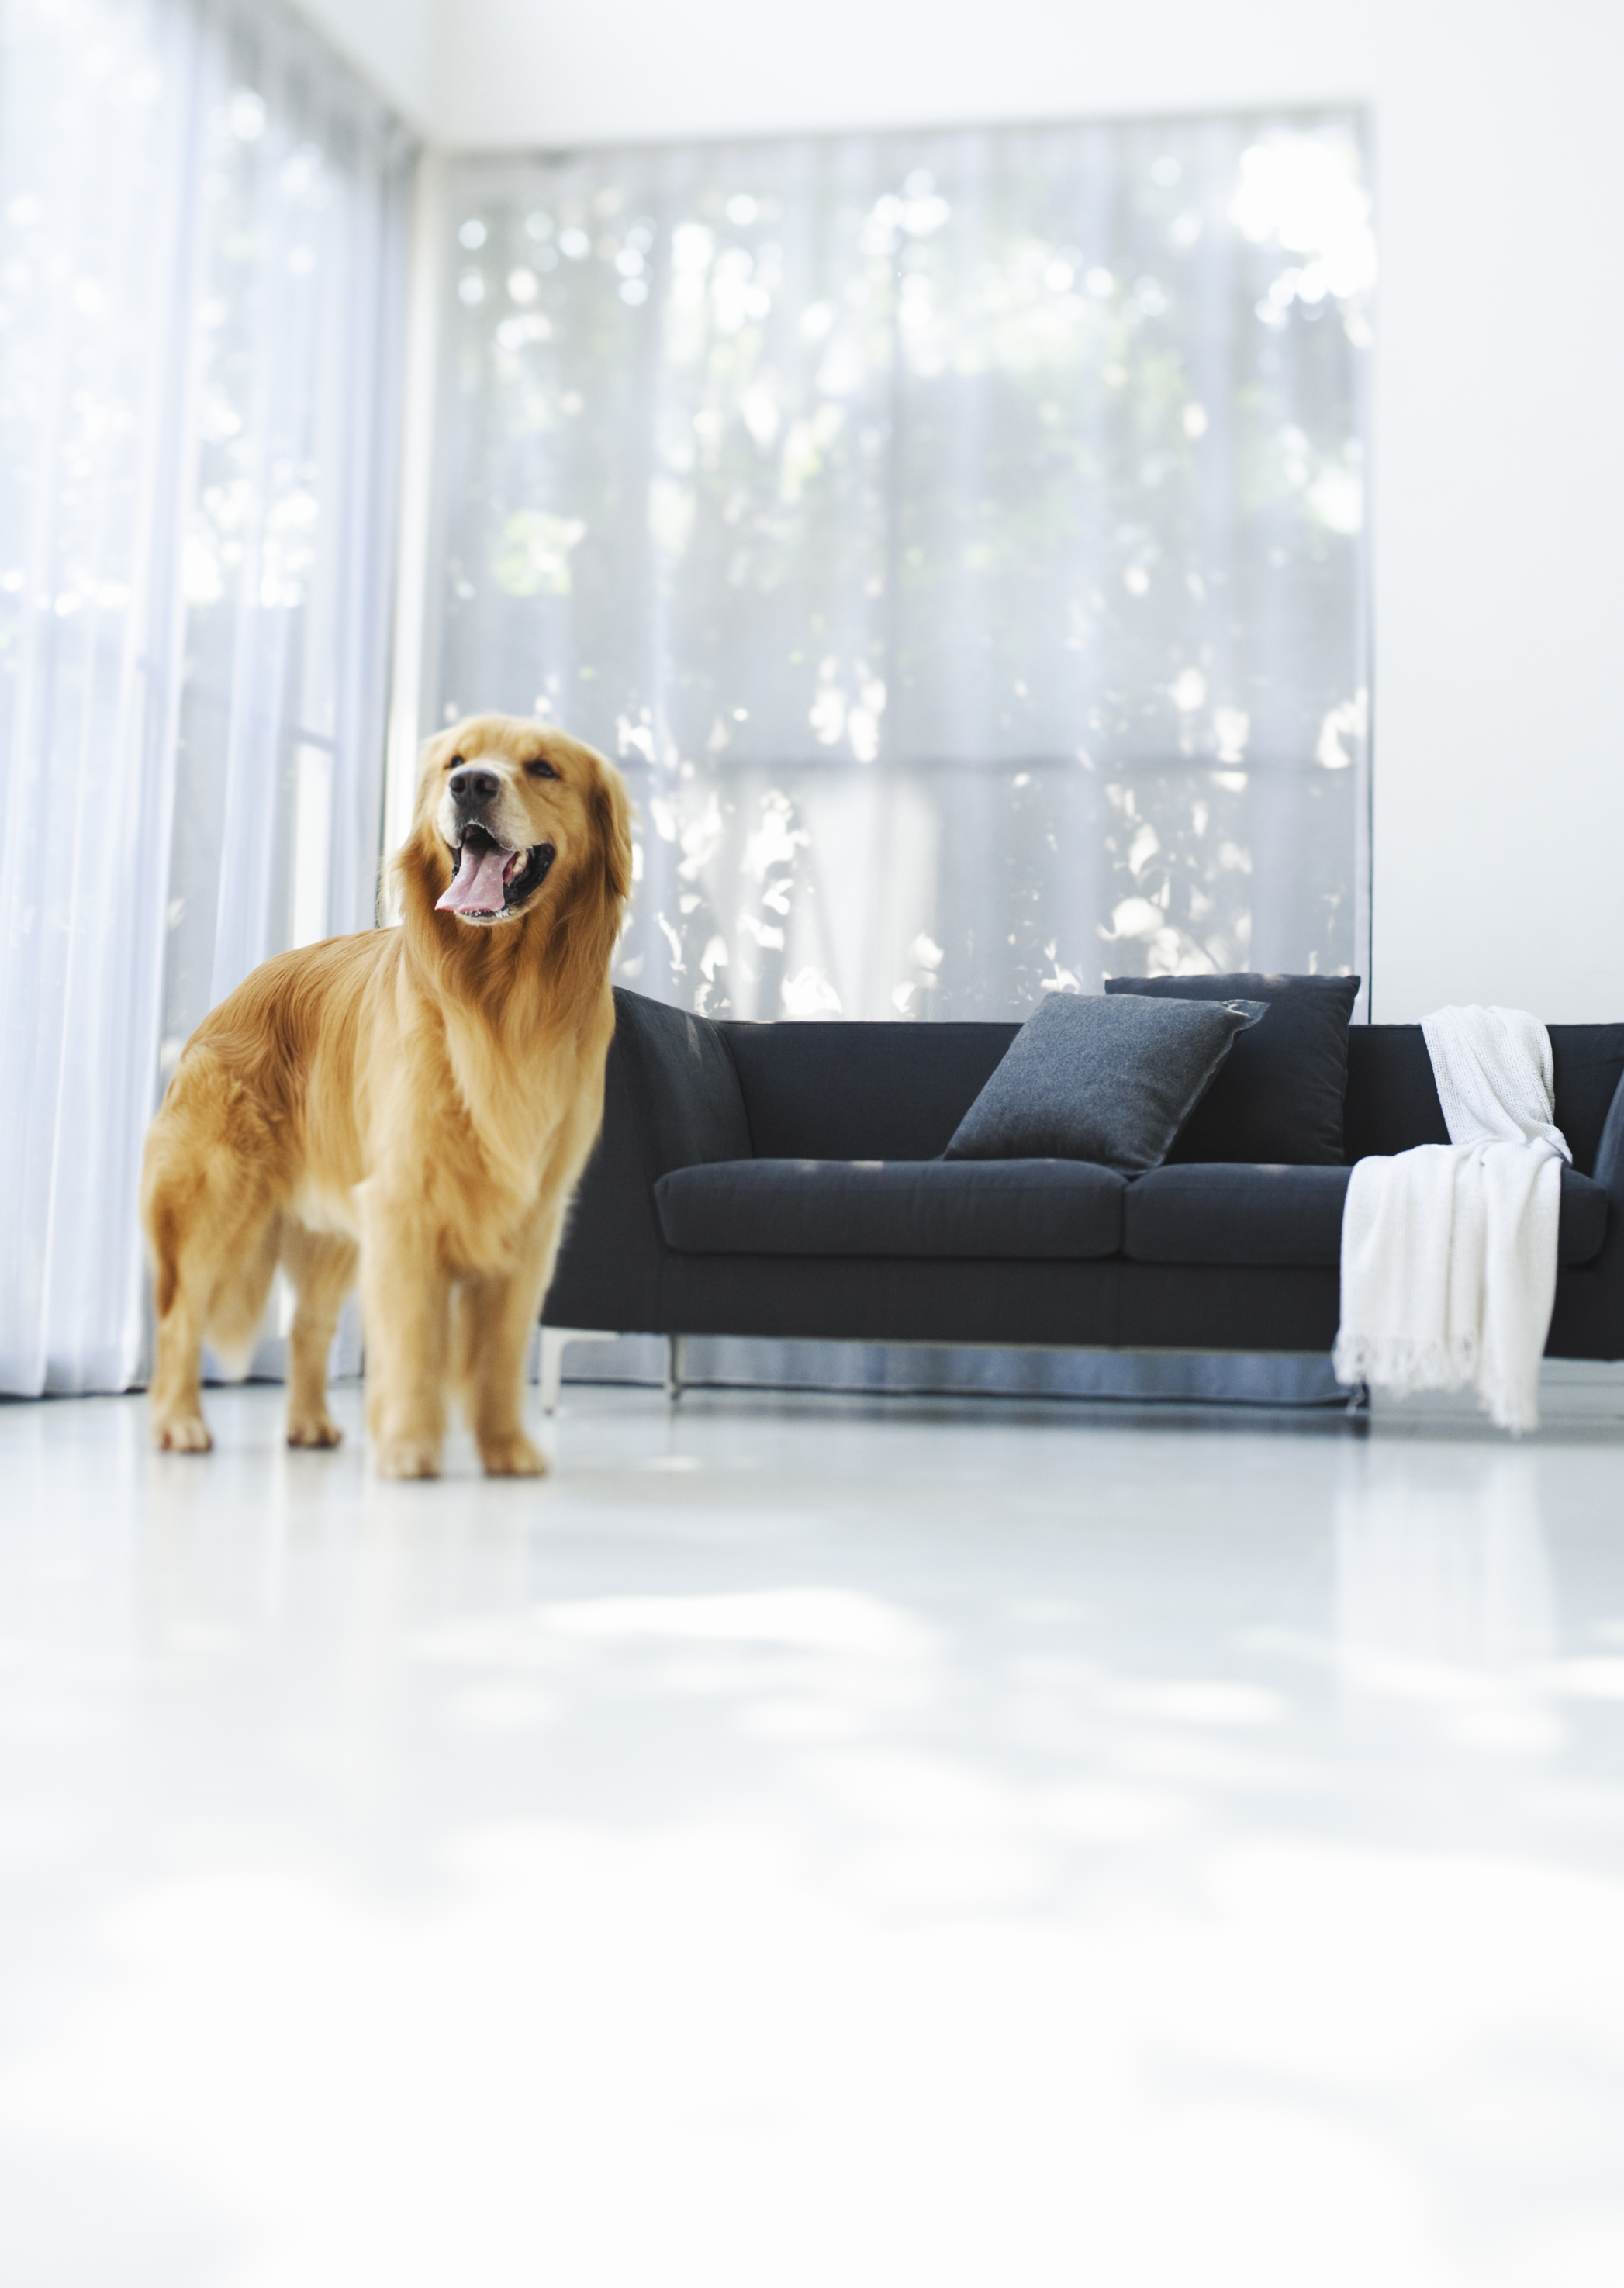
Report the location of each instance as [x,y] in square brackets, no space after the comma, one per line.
[1279,1095]
[1228,1213]
[1111,1082]
[1054,1210]
[1391,1103]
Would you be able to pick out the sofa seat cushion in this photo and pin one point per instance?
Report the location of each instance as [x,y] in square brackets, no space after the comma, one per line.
[1041,1210]
[1233,1211]
[1225,1211]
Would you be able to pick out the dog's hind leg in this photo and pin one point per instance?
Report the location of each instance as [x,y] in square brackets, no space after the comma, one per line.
[213,1258]
[322,1267]
[177,1394]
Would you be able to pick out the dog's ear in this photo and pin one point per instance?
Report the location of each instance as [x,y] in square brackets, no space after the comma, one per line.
[420,870]
[612,817]
[421,866]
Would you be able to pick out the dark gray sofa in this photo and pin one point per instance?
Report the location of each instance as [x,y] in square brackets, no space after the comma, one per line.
[784,1180]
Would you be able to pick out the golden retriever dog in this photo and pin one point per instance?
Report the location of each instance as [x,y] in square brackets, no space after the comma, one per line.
[419,1100]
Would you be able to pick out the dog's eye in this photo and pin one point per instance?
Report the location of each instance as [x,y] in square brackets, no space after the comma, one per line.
[538,767]
[456,764]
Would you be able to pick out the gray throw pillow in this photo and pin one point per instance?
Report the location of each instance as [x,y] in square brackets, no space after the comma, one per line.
[1089,1078]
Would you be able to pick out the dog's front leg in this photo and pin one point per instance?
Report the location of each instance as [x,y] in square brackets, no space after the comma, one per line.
[496,1313]
[406,1299]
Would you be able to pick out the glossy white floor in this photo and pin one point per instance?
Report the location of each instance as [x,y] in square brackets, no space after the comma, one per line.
[813,1842]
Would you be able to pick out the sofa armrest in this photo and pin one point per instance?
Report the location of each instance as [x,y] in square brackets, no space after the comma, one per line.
[671,1099]
[608,1274]
[1609,1170]
[682,1087]
[1587,1320]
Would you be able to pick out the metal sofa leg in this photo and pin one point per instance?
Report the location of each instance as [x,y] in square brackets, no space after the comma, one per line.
[555,1342]
[673,1369]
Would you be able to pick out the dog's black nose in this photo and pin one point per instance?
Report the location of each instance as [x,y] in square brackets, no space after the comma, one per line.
[474,786]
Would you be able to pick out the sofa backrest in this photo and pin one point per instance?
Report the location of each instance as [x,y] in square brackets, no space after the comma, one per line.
[838,1092]
[1392,1099]
[896,1091]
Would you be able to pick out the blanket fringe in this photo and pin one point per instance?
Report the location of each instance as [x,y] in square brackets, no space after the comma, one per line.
[1404,1365]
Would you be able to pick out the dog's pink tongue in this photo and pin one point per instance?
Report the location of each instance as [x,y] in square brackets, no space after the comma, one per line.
[480,886]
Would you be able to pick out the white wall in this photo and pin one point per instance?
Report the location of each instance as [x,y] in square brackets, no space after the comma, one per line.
[395,43]
[1499,480]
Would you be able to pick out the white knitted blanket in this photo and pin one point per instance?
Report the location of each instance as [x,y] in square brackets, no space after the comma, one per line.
[1449,1251]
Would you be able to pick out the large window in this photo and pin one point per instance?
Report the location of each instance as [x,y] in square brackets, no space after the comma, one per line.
[202,250]
[957,539]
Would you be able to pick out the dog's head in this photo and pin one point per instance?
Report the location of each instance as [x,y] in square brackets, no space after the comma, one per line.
[513,817]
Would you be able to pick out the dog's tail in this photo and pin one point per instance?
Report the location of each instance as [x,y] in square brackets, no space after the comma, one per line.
[164,1238]
[236,1303]
[212,1223]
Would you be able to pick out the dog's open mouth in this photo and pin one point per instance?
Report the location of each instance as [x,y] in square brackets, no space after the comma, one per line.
[491,881]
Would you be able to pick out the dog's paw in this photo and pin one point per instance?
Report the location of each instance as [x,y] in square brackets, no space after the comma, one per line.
[406,1457]
[312,1430]
[181,1433]
[512,1457]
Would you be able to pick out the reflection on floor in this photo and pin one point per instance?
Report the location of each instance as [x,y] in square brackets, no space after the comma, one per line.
[813,1842]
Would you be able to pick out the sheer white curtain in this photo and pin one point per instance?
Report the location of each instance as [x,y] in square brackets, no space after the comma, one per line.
[957,537]
[201,254]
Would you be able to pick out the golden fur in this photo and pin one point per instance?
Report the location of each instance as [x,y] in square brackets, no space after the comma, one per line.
[420,1102]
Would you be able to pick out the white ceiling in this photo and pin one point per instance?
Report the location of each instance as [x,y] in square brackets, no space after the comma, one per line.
[393,44]
[497,75]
